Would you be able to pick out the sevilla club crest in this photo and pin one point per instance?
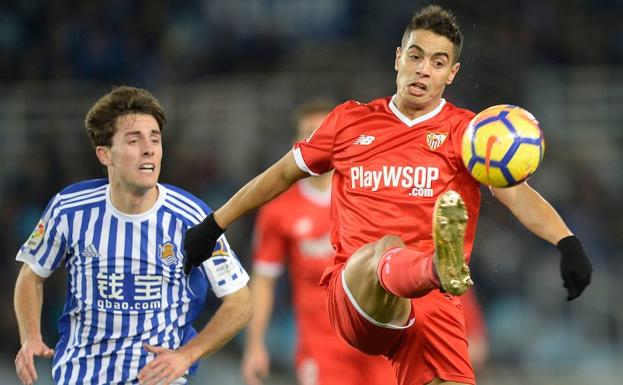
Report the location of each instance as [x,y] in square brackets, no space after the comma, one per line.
[434,140]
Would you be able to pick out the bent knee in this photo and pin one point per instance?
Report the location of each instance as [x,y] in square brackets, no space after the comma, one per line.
[390,241]
[362,281]
[366,259]
[362,257]
[386,243]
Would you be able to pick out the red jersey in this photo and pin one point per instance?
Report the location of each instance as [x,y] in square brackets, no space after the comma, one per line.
[296,225]
[389,170]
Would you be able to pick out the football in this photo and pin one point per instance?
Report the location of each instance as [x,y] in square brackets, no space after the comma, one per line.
[503,146]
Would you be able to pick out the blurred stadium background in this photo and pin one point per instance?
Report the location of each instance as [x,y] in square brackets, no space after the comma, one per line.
[230,73]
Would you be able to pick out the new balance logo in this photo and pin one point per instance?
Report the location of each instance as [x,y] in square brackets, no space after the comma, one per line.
[364,140]
[90,252]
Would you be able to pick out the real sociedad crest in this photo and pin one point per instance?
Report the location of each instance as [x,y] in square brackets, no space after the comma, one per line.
[434,140]
[168,253]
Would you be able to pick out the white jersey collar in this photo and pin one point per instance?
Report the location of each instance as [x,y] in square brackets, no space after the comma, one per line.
[419,119]
[136,217]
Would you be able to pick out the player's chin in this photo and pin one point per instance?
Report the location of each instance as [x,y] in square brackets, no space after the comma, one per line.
[146,182]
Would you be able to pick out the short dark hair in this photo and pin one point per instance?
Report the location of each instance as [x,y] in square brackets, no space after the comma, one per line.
[440,21]
[101,119]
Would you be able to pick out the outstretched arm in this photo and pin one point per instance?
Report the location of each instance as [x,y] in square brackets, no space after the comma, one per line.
[261,189]
[256,360]
[534,212]
[28,301]
[229,319]
[199,240]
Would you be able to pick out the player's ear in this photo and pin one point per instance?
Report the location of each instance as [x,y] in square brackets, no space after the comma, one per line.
[453,71]
[398,53]
[103,155]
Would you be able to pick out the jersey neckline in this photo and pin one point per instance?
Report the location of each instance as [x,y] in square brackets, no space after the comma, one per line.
[412,122]
[162,192]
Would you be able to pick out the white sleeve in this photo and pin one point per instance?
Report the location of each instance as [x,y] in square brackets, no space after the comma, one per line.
[45,249]
[224,271]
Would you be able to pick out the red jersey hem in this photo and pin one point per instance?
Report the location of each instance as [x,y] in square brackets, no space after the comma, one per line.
[430,375]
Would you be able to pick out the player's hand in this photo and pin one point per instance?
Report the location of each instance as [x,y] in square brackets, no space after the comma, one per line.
[199,241]
[575,267]
[25,363]
[255,365]
[165,368]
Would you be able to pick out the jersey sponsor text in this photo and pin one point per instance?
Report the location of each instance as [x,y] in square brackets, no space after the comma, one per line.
[419,178]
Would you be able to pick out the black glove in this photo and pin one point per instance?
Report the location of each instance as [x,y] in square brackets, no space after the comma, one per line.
[575,267]
[199,242]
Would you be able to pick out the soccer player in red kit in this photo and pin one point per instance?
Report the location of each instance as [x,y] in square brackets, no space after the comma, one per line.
[294,230]
[403,213]
[476,330]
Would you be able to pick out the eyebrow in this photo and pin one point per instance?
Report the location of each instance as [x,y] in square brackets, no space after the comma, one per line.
[422,50]
[152,132]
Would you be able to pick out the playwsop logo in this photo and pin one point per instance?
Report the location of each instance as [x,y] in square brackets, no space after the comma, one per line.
[36,237]
[417,180]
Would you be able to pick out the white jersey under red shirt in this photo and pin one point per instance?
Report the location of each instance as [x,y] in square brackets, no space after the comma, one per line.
[389,170]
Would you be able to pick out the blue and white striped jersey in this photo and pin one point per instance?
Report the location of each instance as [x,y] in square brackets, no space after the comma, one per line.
[125,282]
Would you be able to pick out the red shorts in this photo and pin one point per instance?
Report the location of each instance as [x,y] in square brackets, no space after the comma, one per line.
[432,345]
[332,365]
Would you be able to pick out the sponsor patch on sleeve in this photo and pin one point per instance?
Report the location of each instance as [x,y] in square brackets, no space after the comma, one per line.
[37,236]
[223,270]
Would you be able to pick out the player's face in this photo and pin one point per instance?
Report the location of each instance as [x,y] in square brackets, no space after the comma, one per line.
[133,160]
[307,124]
[425,67]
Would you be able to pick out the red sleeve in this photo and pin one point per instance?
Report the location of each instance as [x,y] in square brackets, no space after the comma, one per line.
[269,242]
[314,155]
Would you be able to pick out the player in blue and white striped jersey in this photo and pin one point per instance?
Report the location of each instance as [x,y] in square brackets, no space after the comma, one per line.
[129,306]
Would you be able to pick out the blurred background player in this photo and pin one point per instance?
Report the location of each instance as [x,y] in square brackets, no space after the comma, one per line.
[402,233]
[293,229]
[476,329]
[129,307]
